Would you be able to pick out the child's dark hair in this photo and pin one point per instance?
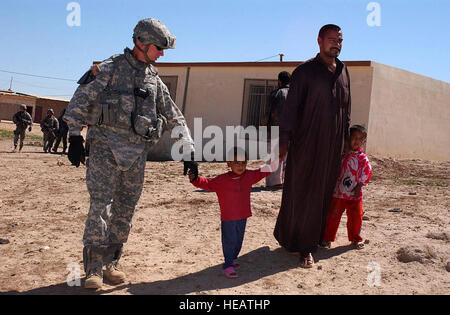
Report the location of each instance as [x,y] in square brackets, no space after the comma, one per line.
[360,129]
[237,153]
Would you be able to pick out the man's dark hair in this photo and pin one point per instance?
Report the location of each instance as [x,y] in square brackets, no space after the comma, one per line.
[328,27]
[358,128]
[284,77]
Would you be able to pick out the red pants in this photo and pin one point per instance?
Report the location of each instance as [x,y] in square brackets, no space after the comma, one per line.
[354,219]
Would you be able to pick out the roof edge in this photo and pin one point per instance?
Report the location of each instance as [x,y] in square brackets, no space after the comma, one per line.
[253,64]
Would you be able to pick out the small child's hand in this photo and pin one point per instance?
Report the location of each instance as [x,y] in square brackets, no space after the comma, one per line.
[357,190]
[191,176]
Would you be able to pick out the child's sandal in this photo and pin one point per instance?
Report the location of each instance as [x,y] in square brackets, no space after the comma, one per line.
[230,273]
[358,245]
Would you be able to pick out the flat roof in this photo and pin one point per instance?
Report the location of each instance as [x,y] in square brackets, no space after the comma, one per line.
[252,64]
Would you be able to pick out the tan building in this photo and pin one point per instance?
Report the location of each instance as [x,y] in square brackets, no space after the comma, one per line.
[37,105]
[407,115]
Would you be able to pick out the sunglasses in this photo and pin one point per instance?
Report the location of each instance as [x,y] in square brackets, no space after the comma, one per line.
[159,48]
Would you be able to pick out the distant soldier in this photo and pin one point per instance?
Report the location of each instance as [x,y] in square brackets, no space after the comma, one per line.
[62,133]
[49,126]
[126,107]
[22,119]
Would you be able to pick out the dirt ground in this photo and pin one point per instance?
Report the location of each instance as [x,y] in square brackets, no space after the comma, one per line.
[175,248]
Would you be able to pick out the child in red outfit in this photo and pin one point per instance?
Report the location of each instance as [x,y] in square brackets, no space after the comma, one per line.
[355,172]
[233,191]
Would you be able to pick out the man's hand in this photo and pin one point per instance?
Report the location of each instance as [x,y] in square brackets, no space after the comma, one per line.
[192,166]
[76,153]
[192,177]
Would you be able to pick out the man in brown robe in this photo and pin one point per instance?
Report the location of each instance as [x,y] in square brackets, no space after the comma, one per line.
[314,123]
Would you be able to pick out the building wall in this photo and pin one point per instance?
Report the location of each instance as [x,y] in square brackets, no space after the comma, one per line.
[216,94]
[361,91]
[409,115]
[56,105]
[9,105]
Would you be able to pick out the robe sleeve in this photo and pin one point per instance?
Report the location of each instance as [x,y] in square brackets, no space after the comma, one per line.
[349,109]
[293,107]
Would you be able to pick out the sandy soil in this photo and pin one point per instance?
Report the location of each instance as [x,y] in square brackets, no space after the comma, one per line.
[174,246]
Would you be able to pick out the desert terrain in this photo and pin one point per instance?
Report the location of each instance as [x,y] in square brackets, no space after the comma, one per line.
[175,248]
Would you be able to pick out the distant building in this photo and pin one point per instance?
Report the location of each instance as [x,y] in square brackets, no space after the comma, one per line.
[37,105]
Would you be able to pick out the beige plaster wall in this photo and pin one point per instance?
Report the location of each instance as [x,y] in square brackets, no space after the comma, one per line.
[9,105]
[360,88]
[409,115]
[217,93]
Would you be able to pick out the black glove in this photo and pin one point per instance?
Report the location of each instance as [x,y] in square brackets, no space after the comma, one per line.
[76,153]
[29,129]
[192,166]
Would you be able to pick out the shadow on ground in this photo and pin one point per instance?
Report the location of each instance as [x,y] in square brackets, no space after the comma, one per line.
[255,265]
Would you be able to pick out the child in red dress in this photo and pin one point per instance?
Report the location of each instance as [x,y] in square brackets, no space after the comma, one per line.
[355,172]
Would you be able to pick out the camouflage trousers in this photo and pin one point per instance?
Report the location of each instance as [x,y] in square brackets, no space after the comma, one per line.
[49,138]
[113,198]
[19,133]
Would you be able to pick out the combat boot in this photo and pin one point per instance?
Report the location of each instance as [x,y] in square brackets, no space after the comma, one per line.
[113,274]
[93,265]
[93,281]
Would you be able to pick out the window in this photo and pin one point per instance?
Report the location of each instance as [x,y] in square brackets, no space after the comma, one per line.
[171,83]
[256,98]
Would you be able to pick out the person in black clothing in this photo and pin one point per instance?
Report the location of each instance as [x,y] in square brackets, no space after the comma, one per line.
[273,118]
[62,134]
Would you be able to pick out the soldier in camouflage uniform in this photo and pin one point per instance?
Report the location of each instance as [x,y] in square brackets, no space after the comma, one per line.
[49,126]
[126,107]
[22,119]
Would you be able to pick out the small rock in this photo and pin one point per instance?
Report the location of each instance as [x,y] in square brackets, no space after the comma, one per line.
[367,242]
[319,267]
[299,286]
[4,241]
[416,253]
[412,193]
[366,218]
[395,210]
[443,236]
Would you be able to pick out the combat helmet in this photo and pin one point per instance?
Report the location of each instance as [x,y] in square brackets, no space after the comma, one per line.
[153,31]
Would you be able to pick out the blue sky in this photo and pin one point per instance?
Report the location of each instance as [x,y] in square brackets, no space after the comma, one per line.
[36,39]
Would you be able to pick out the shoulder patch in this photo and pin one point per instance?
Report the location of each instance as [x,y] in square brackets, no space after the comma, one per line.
[88,77]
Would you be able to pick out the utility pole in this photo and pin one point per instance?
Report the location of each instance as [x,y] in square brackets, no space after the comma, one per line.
[10,84]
